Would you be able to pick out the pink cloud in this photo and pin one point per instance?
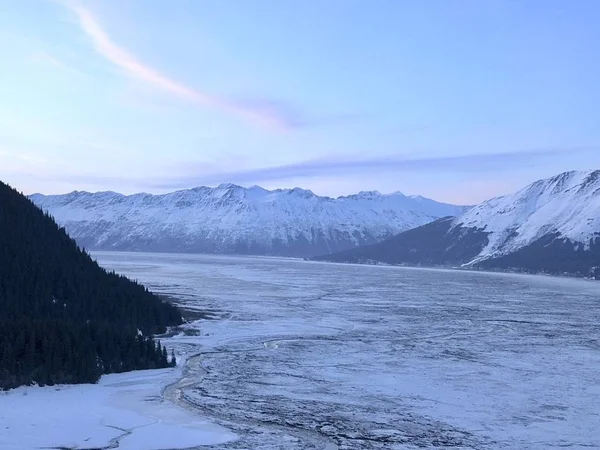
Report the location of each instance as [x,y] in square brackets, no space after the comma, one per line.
[137,69]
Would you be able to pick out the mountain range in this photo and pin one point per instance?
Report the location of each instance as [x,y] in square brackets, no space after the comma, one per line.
[550,226]
[234,219]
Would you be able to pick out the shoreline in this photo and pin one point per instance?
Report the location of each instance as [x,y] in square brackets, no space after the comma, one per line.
[454,269]
[375,264]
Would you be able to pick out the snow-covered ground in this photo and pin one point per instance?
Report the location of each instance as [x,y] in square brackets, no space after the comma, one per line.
[302,355]
[124,411]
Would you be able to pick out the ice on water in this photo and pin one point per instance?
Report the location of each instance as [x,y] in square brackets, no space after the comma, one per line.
[301,355]
[382,357]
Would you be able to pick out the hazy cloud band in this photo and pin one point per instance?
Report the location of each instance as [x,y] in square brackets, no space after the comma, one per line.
[475,163]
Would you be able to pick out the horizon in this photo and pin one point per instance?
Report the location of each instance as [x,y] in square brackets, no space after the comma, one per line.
[228,185]
[375,192]
[335,98]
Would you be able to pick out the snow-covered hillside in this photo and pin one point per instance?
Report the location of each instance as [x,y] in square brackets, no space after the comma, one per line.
[564,206]
[233,219]
[552,225]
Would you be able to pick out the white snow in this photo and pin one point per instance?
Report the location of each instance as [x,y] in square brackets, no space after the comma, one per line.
[567,204]
[229,214]
[124,408]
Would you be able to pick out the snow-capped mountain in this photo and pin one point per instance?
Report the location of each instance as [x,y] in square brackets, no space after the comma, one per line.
[234,219]
[551,225]
[566,205]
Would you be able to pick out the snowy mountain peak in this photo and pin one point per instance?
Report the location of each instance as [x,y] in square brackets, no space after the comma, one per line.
[229,186]
[566,205]
[235,219]
[305,193]
[370,195]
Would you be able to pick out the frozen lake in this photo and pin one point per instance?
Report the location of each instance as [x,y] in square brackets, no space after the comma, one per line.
[301,355]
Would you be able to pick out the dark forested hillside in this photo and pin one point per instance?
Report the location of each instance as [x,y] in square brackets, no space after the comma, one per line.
[430,245]
[440,244]
[550,254]
[64,319]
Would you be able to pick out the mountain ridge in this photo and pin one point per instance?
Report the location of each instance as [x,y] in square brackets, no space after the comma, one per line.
[234,219]
[372,193]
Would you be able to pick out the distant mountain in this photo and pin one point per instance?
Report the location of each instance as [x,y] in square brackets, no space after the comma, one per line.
[552,226]
[64,319]
[233,219]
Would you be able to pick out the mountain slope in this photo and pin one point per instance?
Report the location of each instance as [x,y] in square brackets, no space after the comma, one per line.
[552,225]
[566,205]
[233,219]
[63,319]
[430,244]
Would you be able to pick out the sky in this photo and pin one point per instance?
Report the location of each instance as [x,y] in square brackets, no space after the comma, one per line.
[458,100]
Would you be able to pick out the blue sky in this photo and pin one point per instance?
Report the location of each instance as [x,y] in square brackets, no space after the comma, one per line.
[456,100]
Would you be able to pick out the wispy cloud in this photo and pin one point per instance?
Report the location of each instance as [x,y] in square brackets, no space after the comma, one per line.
[266,112]
[473,163]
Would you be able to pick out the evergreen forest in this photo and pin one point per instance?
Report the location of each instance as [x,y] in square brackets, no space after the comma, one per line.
[63,318]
